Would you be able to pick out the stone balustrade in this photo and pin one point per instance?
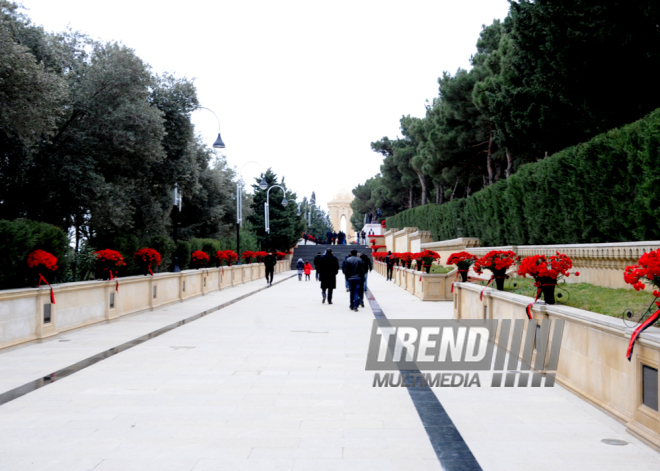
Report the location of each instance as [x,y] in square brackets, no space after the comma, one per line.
[27,314]
[592,361]
[426,286]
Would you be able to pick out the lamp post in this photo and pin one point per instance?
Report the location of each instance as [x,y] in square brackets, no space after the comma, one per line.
[218,144]
[178,198]
[267,206]
[239,206]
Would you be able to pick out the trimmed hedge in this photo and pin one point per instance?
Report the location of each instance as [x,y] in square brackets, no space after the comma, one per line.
[605,190]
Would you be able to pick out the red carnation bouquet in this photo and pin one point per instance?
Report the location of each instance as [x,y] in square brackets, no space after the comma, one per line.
[426,257]
[231,257]
[107,263]
[145,259]
[647,268]
[540,268]
[280,255]
[406,258]
[199,259]
[42,260]
[463,261]
[259,256]
[497,261]
[220,258]
[248,255]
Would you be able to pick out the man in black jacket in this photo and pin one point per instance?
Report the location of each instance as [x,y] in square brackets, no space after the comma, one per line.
[353,269]
[389,261]
[316,264]
[367,268]
[328,268]
[270,261]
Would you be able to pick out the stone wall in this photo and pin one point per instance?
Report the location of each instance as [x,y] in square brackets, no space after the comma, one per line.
[23,312]
[592,362]
[426,286]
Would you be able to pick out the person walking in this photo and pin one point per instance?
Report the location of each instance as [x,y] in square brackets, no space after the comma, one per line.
[300,266]
[368,266]
[334,238]
[328,235]
[270,261]
[389,263]
[307,269]
[317,261]
[328,268]
[364,237]
[343,264]
[353,269]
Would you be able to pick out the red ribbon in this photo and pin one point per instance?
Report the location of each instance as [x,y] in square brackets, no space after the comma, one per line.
[152,273]
[112,277]
[636,333]
[481,296]
[52,295]
[528,309]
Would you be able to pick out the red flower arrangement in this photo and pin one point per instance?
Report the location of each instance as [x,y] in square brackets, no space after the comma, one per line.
[538,266]
[248,255]
[110,258]
[280,255]
[231,257]
[495,261]
[41,258]
[376,247]
[146,259]
[463,261]
[199,259]
[259,256]
[426,258]
[648,268]
[220,258]
[379,255]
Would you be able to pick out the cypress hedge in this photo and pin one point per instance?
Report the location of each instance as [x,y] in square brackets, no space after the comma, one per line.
[604,190]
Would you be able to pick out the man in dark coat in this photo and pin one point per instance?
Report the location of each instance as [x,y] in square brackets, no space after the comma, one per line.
[328,268]
[270,261]
[317,264]
[389,261]
[367,268]
[353,269]
[334,238]
[328,235]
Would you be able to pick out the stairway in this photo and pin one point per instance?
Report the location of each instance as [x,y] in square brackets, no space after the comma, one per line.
[308,252]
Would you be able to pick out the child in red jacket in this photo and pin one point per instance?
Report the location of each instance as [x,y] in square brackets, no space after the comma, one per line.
[308,270]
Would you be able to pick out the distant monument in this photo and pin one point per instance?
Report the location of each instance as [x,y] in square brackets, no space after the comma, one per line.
[340,214]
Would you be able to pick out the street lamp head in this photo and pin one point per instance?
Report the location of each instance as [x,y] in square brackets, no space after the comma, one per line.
[262,184]
[218,144]
[284,202]
[298,212]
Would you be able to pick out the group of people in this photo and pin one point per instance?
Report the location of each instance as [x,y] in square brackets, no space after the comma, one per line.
[336,238]
[355,267]
[369,218]
[362,236]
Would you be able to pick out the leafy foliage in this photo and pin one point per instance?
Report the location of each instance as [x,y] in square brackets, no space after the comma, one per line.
[605,190]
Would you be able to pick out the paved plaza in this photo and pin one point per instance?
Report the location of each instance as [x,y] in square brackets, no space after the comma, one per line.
[277,381]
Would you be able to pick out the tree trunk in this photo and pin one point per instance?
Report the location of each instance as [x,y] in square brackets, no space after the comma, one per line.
[440,194]
[422,182]
[454,191]
[509,163]
[411,196]
[489,159]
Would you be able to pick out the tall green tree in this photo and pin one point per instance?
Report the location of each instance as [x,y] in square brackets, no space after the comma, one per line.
[286,227]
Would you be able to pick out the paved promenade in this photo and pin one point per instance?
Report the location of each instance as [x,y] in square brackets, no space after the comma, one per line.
[277,381]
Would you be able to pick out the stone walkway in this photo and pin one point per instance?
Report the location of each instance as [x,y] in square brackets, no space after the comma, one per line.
[276,381]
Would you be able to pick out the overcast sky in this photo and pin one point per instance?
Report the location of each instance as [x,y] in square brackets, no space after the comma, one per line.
[303,87]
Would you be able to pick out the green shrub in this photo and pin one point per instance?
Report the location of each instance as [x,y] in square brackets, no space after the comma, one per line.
[605,190]
[20,237]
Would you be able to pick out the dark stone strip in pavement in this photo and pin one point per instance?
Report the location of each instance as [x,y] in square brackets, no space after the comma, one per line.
[69,370]
[450,448]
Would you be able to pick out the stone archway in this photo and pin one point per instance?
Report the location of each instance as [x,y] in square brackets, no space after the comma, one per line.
[340,209]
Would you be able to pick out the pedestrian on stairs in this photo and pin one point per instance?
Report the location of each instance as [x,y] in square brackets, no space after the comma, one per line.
[364,237]
[328,268]
[300,266]
[307,269]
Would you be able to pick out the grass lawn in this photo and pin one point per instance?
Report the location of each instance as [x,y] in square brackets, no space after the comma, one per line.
[441,269]
[608,301]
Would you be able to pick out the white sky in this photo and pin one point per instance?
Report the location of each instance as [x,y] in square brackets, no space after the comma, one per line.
[303,87]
